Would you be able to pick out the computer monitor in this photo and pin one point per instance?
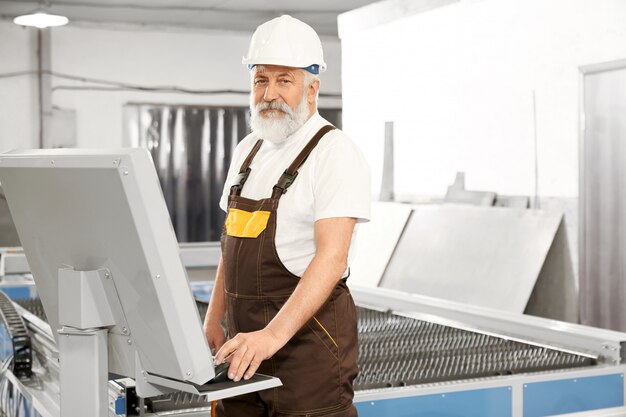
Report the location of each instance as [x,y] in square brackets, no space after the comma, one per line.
[96,209]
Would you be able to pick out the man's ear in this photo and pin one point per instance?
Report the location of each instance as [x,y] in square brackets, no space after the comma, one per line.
[312,91]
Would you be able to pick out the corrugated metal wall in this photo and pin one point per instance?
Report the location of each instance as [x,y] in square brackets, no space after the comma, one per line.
[191,148]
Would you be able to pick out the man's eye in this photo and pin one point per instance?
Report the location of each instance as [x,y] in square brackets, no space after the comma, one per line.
[257,82]
[285,81]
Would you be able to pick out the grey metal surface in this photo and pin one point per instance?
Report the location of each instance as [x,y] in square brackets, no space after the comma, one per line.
[485,256]
[457,193]
[376,241]
[477,198]
[555,295]
[8,234]
[399,351]
[603,197]
[13,261]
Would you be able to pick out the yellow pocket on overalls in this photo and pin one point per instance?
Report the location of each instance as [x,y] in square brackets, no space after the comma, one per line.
[241,223]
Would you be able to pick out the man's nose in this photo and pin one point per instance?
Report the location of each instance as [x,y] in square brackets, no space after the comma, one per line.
[271,92]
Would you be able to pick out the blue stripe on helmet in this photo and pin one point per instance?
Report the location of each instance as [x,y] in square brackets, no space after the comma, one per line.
[313,69]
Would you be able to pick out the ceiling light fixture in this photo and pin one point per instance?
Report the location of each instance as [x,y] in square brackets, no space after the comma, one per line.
[41,18]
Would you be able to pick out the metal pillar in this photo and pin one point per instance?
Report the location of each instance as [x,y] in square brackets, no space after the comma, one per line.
[44,86]
[84,368]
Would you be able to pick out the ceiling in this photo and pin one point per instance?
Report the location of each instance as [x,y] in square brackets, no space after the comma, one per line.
[236,15]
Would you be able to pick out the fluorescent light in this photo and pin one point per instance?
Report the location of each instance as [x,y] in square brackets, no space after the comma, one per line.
[41,20]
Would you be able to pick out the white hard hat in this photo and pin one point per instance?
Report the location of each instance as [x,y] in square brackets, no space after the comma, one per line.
[286,41]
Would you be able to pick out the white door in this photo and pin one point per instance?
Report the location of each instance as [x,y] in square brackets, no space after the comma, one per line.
[603,196]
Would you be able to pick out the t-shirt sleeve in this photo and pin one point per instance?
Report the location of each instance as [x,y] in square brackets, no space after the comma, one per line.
[342,181]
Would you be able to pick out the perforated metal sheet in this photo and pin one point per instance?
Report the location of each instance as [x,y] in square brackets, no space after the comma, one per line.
[398,351]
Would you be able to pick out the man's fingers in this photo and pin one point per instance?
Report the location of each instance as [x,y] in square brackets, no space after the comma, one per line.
[244,363]
[226,350]
[236,362]
[252,368]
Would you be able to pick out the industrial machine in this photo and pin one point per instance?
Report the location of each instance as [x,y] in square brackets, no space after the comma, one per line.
[419,356]
[422,356]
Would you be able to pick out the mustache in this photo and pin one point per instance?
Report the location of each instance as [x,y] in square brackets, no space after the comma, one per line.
[274,105]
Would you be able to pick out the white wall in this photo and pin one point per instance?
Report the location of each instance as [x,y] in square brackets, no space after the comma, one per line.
[200,60]
[458,82]
[18,100]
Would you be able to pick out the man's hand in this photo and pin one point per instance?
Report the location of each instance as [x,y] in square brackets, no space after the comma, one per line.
[214,335]
[246,351]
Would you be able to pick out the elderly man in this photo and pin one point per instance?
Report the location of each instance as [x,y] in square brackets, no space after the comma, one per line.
[294,193]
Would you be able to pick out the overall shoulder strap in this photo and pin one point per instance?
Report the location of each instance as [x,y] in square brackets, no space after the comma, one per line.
[244,171]
[290,174]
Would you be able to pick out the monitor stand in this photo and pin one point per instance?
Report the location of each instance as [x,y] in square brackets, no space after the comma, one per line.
[85,317]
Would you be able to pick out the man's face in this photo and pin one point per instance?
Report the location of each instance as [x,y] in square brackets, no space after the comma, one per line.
[273,83]
[280,103]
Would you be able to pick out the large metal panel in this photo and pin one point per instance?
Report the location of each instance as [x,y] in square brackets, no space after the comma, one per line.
[573,395]
[8,234]
[376,241]
[555,294]
[603,197]
[493,402]
[485,256]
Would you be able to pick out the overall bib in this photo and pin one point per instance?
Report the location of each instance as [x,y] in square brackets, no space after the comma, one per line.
[317,366]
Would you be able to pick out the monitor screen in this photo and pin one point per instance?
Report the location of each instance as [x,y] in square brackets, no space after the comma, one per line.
[94,209]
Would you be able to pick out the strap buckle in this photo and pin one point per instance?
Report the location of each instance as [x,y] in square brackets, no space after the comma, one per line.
[285,181]
[241,179]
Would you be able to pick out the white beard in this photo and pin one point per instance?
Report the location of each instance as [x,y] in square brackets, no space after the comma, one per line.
[276,127]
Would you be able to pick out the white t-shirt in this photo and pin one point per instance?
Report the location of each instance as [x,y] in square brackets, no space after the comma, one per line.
[333,182]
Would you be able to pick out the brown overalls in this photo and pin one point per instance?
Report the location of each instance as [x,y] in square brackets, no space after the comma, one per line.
[317,366]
